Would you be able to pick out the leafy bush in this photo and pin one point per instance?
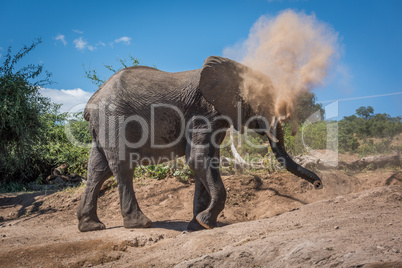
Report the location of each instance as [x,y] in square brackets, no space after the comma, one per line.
[33,137]
[11,187]
[158,172]
[61,148]
[309,135]
[176,168]
[184,174]
[21,111]
[371,147]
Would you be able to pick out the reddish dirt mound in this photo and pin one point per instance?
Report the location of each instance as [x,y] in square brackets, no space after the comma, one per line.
[283,223]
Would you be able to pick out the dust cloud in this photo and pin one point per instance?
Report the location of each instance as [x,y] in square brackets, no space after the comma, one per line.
[295,50]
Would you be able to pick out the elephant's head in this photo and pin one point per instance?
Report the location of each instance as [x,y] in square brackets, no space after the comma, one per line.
[241,93]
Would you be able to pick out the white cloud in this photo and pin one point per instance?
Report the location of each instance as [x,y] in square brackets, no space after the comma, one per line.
[61,38]
[72,100]
[125,39]
[78,31]
[80,43]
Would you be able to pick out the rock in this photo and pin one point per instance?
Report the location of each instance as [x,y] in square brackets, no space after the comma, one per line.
[394,179]
[326,164]
[65,178]
[135,242]
[58,180]
[61,170]
[62,173]
[377,161]
[76,178]
[307,161]
[50,178]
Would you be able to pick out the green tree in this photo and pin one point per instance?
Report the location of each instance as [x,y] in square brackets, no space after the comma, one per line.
[21,109]
[92,74]
[306,106]
[347,142]
[356,131]
[365,112]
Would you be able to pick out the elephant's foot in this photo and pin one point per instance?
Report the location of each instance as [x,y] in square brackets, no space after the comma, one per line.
[204,218]
[87,224]
[193,225]
[137,220]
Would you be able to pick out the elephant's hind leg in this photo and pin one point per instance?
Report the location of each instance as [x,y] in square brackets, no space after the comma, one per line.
[133,217]
[98,172]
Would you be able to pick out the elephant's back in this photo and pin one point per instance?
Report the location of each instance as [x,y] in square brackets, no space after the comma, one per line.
[137,88]
[150,82]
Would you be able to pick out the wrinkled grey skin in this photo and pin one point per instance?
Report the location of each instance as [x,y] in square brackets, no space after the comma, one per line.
[211,91]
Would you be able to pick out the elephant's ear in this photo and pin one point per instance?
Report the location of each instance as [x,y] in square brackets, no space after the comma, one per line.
[220,85]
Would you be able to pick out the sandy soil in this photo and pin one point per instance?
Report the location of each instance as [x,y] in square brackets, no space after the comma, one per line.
[272,221]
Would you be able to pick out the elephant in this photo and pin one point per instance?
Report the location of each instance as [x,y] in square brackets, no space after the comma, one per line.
[143,116]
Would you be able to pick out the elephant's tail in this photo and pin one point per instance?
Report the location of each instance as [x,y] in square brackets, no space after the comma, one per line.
[91,102]
[86,114]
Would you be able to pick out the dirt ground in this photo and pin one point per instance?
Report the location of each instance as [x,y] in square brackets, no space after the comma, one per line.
[269,221]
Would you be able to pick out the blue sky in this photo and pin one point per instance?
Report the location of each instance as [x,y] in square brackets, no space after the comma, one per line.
[179,35]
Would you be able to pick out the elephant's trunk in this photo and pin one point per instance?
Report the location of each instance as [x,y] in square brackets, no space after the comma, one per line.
[281,155]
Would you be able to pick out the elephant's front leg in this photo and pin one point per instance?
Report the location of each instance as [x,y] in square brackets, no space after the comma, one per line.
[98,172]
[204,160]
[201,202]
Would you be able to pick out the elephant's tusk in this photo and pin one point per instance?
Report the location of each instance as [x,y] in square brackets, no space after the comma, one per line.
[271,136]
[274,122]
